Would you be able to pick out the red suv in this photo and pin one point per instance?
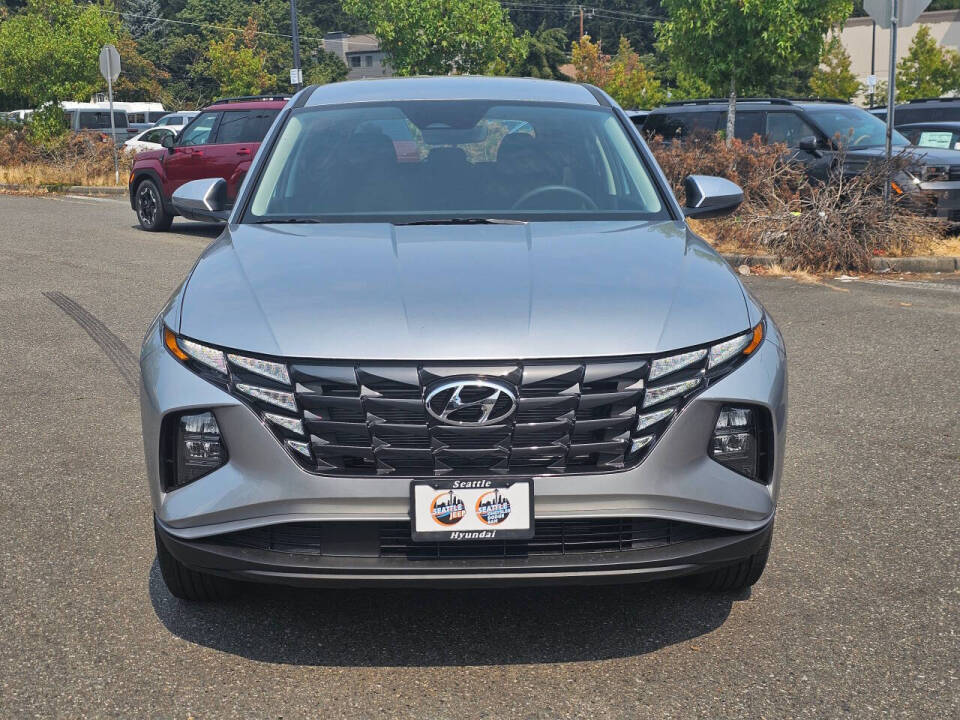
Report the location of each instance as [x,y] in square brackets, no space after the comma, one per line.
[219,142]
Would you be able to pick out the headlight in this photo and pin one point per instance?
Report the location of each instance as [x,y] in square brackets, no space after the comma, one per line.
[935,173]
[262,384]
[192,448]
[740,440]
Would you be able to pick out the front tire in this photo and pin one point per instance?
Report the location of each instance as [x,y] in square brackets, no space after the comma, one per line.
[732,578]
[152,215]
[187,584]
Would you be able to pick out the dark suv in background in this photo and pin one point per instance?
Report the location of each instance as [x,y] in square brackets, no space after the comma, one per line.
[817,130]
[220,141]
[946,109]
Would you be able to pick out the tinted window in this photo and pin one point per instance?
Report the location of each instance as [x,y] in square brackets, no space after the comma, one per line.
[244,126]
[747,124]
[681,124]
[155,115]
[787,127]
[854,126]
[97,120]
[463,159]
[154,136]
[200,130]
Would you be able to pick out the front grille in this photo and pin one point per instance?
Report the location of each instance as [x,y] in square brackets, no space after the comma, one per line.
[954,172]
[392,539]
[371,419]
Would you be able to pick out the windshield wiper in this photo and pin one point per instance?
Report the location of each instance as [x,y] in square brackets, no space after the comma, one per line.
[278,220]
[465,221]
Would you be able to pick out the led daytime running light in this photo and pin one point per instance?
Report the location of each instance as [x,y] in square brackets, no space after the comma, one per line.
[213,359]
[272,370]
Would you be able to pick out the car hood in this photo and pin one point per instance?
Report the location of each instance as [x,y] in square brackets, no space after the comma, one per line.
[925,155]
[442,292]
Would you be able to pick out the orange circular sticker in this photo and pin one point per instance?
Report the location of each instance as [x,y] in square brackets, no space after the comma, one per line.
[492,508]
[447,509]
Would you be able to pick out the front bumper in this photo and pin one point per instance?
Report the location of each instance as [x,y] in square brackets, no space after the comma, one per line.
[945,197]
[315,570]
[262,486]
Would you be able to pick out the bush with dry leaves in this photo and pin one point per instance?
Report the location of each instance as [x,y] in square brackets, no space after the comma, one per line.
[834,225]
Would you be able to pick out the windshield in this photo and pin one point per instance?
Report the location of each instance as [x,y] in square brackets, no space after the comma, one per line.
[854,126]
[425,161]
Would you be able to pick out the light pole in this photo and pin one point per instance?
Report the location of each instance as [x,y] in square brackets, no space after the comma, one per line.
[296,75]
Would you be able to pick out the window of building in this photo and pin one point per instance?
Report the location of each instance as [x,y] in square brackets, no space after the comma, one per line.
[355,61]
[368,60]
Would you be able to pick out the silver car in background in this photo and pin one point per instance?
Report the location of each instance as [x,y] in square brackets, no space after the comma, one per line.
[456,332]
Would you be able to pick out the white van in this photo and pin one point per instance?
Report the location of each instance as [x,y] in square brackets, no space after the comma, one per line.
[92,117]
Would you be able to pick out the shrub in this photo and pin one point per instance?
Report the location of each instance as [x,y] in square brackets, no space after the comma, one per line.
[71,159]
[834,225]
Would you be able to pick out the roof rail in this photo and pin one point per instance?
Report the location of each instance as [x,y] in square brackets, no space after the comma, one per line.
[936,99]
[821,99]
[715,101]
[249,98]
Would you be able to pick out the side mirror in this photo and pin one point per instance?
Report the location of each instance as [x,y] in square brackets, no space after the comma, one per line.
[709,196]
[168,141]
[204,200]
[809,144]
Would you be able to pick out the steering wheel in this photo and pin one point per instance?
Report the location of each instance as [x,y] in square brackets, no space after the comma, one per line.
[536,192]
[856,142]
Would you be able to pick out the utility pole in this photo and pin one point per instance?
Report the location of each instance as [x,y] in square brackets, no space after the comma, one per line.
[873,57]
[891,89]
[581,22]
[296,74]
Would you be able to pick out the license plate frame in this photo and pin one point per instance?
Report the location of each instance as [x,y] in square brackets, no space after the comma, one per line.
[517,524]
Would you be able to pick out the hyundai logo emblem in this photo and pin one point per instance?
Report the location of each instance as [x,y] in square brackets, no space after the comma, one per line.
[471,402]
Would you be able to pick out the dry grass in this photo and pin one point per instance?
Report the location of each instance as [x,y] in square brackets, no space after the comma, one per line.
[39,174]
[75,159]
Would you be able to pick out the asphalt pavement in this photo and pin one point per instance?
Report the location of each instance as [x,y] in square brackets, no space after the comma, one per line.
[857,615]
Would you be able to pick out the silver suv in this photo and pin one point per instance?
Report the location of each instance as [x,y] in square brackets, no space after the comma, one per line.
[486,350]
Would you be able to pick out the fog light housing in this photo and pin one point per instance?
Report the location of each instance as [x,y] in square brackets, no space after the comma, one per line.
[736,441]
[195,448]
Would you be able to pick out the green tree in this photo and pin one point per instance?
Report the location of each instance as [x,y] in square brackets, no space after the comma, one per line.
[623,76]
[48,53]
[237,64]
[327,68]
[833,78]
[734,44]
[927,70]
[542,55]
[437,37]
[630,83]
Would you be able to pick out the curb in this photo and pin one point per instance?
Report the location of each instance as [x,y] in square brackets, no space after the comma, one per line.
[72,189]
[877,264]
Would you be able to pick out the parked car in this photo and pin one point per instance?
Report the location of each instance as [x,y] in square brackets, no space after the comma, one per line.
[91,118]
[220,141]
[638,117]
[508,362]
[923,110]
[943,135]
[815,130]
[150,139]
[177,119]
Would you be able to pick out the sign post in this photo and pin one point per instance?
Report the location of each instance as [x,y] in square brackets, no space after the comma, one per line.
[893,14]
[110,69]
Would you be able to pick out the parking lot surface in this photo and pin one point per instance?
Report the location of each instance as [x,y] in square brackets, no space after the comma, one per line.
[857,615]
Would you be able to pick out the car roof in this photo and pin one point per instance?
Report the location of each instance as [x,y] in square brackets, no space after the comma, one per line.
[247,105]
[450,88]
[752,104]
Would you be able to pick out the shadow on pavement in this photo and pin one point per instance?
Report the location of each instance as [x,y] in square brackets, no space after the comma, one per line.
[190,228]
[443,627]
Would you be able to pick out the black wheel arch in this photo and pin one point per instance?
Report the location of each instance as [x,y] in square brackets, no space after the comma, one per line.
[149,174]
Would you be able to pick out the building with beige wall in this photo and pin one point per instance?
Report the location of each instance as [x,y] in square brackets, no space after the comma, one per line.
[858,38]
